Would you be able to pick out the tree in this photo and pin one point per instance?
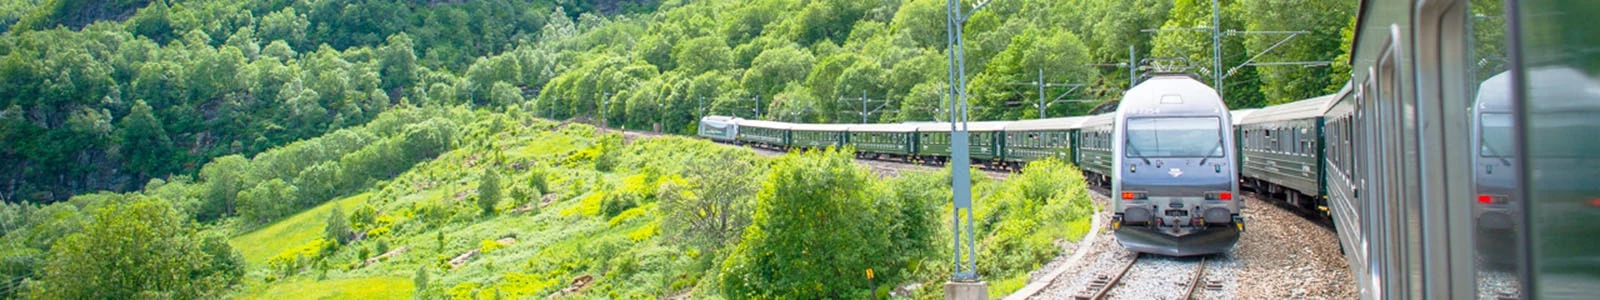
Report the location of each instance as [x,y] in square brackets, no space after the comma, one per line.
[702,54]
[923,21]
[816,220]
[777,67]
[266,201]
[711,207]
[338,228]
[420,281]
[144,142]
[489,191]
[1323,18]
[135,250]
[223,177]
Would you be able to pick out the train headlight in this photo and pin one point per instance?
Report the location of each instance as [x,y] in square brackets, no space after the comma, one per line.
[1135,195]
[1133,168]
[1224,196]
[1491,199]
[1217,167]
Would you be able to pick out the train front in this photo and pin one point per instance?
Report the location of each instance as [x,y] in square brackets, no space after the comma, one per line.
[1176,184]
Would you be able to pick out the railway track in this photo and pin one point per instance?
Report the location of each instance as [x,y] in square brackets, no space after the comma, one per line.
[1100,287]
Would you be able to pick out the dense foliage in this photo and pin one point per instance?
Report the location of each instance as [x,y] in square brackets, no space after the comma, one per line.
[818,223]
[364,143]
[228,77]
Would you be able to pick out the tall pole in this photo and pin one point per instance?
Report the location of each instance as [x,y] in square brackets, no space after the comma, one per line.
[1133,67]
[863,106]
[1216,47]
[1041,94]
[960,159]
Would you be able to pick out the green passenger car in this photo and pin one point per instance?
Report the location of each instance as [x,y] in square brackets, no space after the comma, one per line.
[764,133]
[985,141]
[818,136]
[890,139]
[1031,140]
[1094,147]
[1282,149]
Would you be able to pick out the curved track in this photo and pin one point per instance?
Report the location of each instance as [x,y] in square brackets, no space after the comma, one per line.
[1101,287]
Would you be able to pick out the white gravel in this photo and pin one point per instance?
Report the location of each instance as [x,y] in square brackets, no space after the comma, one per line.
[1279,256]
[1498,284]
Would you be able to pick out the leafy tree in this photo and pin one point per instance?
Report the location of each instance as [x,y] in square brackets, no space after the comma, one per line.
[134,250]
[145,142]
[711,207]
[816,221]
[223,177]
[1323,18]
[776,68]
[489,193]
[420,281]
[701,54]
[338,228]
[266,201]
[923,21]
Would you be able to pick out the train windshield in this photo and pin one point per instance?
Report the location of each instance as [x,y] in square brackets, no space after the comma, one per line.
[1174,137]
[1495,135]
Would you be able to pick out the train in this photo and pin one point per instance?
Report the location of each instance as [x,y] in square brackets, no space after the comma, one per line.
[1174,176]
[1179,132]
[1456,161]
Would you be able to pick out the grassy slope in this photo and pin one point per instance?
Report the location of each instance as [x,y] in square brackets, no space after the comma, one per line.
[554,245]
[263,243]
[356,288]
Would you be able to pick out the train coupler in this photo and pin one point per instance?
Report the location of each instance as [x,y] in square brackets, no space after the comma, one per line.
[1239,222]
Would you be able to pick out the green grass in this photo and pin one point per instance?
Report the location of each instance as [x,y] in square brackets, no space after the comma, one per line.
[266,242]
[356,288]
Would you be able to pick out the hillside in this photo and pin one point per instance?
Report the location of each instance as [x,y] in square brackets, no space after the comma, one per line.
[624,217]
[257,148]
[240,77]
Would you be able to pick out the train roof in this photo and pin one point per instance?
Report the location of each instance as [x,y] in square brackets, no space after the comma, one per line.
[1048,124]
[1560,82]
[1239,114]
[1303,109]
[764,124]
[1170,95]
[1104,119]
[889,127]
[971,126]
[719,119]
[820,127]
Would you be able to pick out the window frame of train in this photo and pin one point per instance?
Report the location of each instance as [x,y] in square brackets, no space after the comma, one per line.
[1444,52]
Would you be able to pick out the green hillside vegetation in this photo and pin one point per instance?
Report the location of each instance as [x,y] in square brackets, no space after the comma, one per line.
[218,133]
[240,77]
[655,217]
[646,218]
[259,245]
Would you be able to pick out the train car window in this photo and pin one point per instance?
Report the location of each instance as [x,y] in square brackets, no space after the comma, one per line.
[1271,143]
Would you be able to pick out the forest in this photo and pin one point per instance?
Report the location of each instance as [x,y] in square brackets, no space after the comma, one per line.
[198,123]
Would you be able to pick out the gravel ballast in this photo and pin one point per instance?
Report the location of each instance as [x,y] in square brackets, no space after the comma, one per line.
[1280,256]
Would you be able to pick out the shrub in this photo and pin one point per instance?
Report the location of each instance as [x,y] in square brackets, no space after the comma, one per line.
[338,228]
[816,219]
[489,191]
[618,201]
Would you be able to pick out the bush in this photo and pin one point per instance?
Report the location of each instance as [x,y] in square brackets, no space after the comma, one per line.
[1030,211]
[816,218]
[338,228]
[489,191]
[618,201]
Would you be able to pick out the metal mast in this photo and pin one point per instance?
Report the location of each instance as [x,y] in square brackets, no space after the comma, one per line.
[960,159]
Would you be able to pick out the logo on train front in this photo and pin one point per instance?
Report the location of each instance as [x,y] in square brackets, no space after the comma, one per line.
[1175,172]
